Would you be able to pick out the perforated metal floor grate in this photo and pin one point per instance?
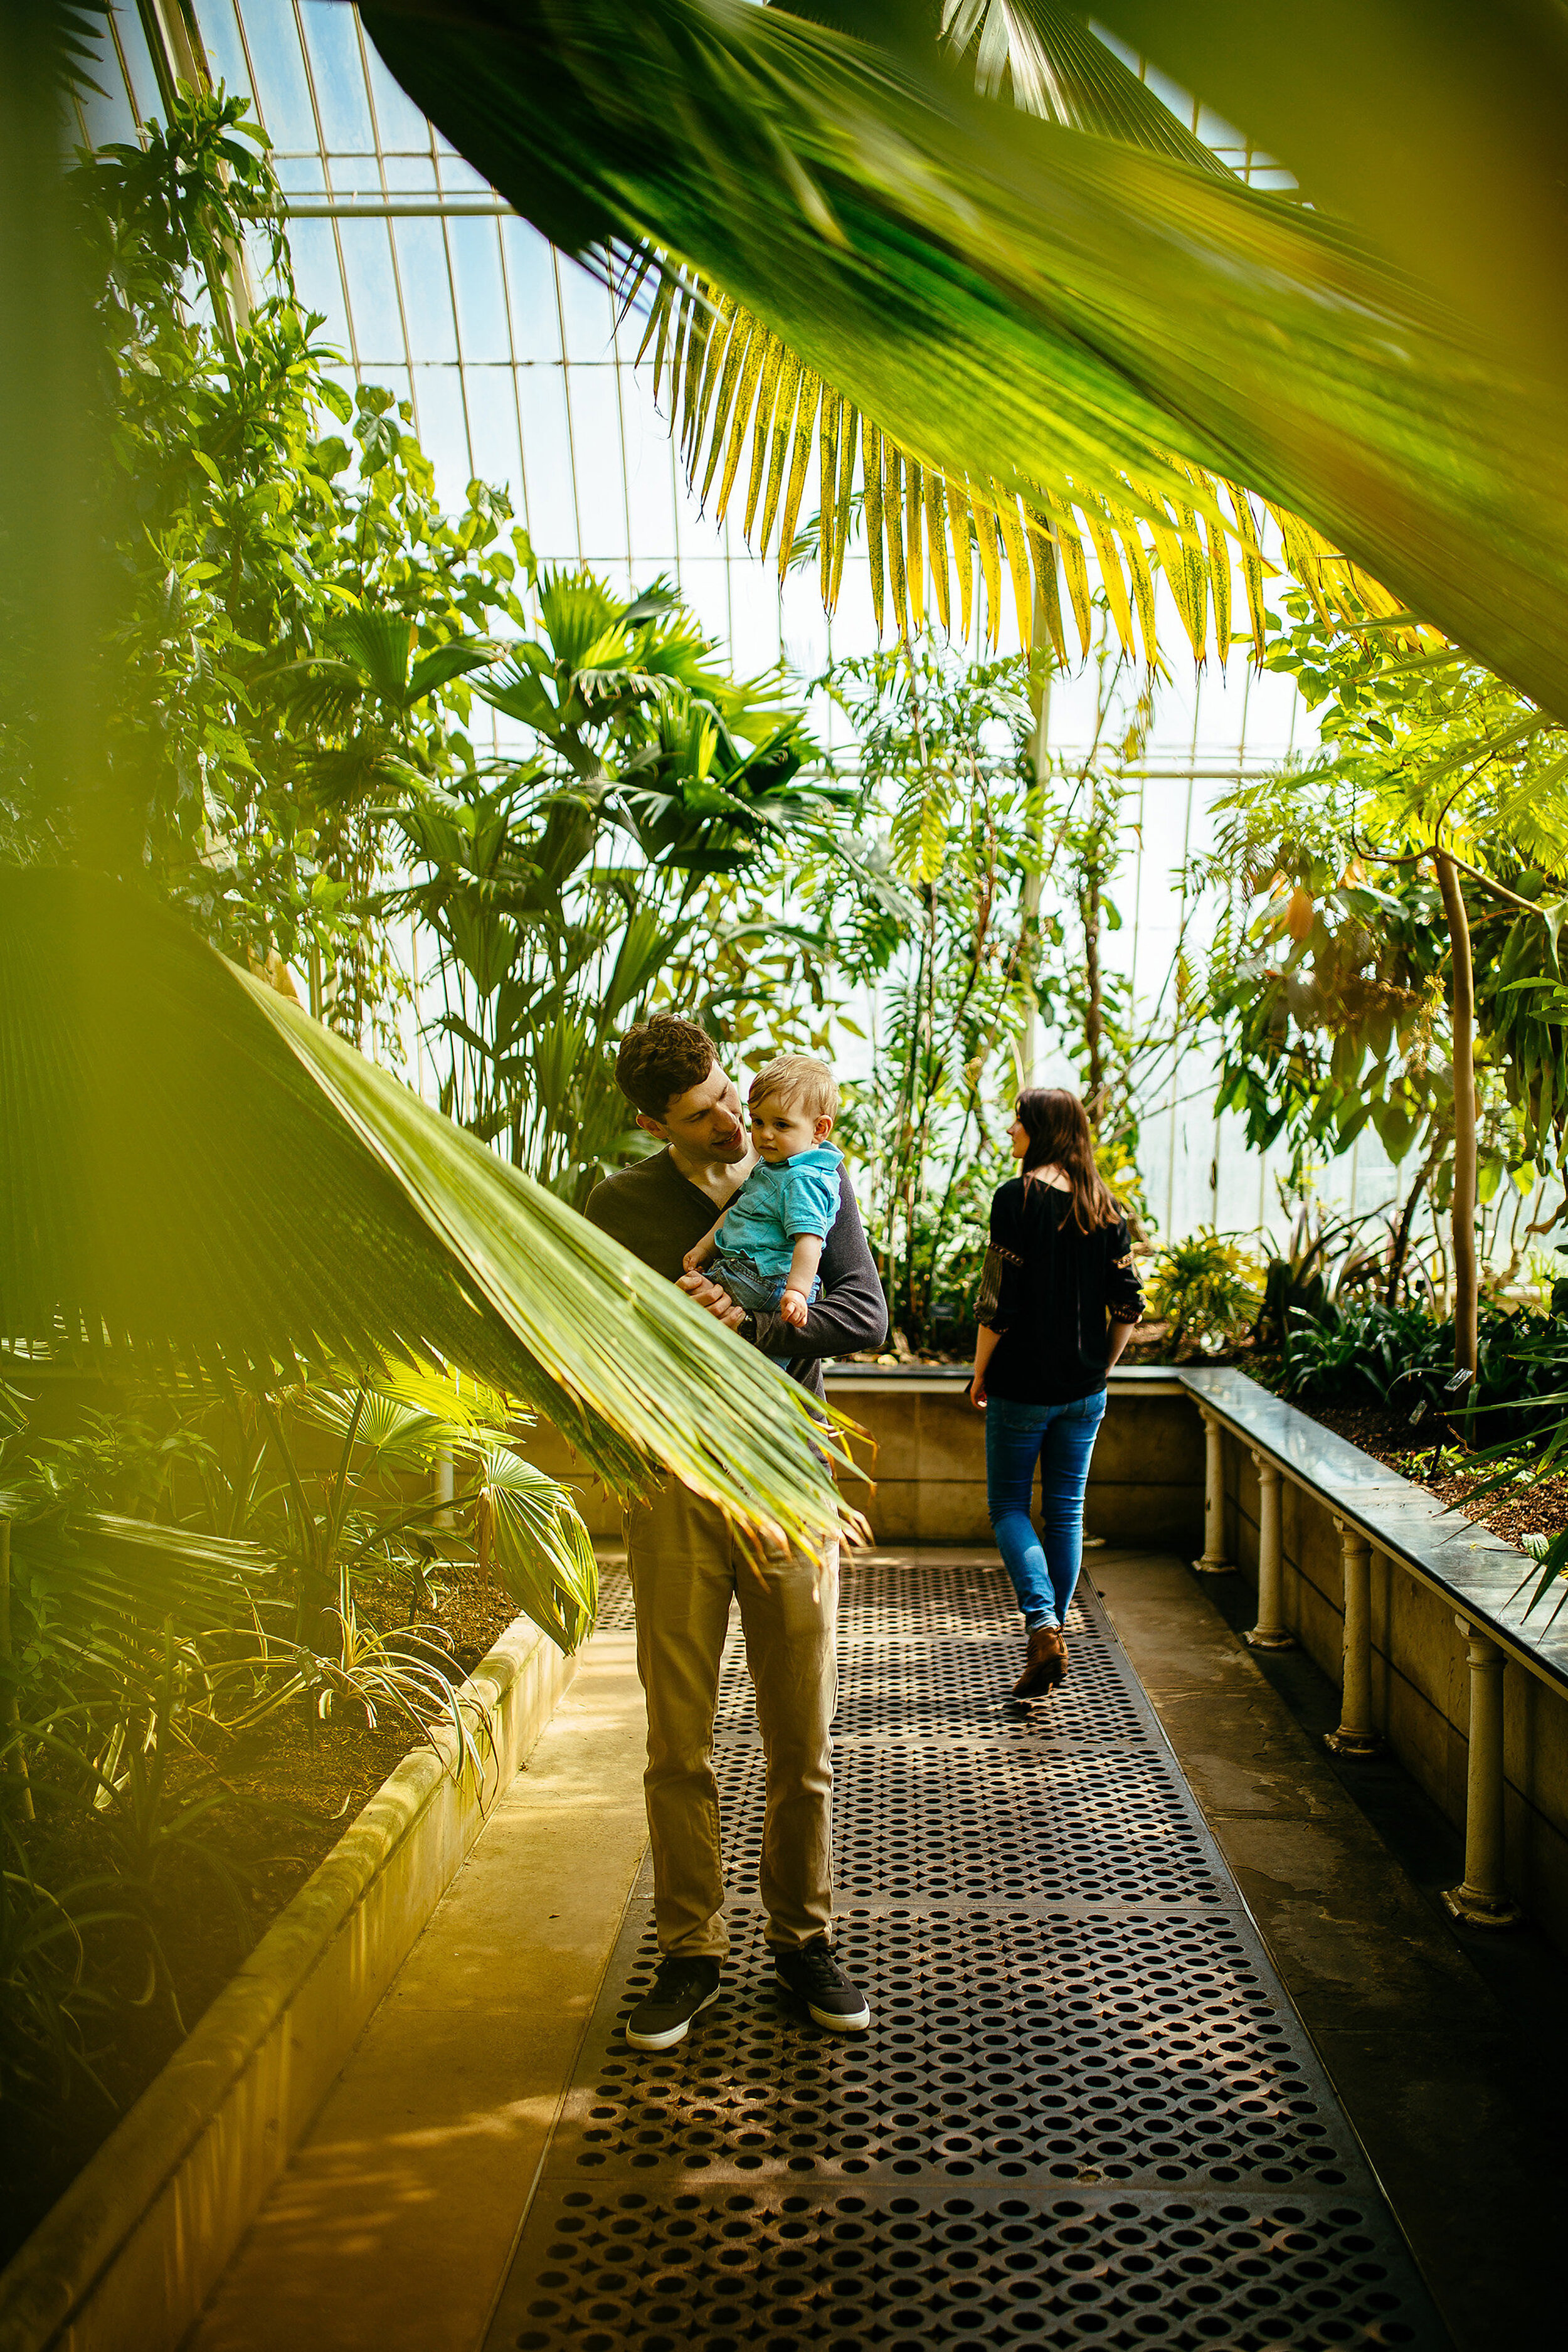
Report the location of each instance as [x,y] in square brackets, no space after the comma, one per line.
[1086,2113]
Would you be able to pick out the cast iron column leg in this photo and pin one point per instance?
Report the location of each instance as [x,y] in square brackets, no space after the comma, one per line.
[1214,1561]
[1357,1735]
[1269,1633]
[1483,1900]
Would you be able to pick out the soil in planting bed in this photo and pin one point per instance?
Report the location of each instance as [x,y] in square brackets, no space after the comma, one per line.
[285,1792]
[1527,1505]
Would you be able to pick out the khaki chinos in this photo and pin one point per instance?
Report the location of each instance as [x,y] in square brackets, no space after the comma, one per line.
[685,1567]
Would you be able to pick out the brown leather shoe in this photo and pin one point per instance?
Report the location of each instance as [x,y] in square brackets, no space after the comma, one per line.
[1045,1664]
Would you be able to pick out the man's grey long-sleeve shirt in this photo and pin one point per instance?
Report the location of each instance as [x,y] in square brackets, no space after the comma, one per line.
[653,1210]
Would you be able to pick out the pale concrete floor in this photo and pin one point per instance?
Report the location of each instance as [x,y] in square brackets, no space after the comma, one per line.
[1442,2083]
[394,2224]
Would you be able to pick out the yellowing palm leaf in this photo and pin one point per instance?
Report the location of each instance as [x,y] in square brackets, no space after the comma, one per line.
[1019,302]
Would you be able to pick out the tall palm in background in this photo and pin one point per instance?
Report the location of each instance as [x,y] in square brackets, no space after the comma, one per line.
[1072,324]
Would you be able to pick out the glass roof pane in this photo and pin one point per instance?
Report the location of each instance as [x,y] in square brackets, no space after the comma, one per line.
[372,291]
[342,102]
[586,311]
[279,77]
[531,282]
[355,175]
[483,326]
[427,290]
[403,130]
[492,429]
[108,116]
[138,59]
[550,502]
[225,49]
[442,426]
[601,466]
[319,279]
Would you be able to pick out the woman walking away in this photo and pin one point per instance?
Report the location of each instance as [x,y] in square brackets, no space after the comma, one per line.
[1058,1302]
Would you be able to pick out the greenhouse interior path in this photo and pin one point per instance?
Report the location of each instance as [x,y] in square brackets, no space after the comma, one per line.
[1087,2113]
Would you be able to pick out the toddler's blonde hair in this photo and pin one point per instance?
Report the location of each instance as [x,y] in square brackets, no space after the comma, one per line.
[799,1084]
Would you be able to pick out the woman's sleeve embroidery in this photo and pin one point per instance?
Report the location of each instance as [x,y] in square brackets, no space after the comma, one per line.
[988,1304]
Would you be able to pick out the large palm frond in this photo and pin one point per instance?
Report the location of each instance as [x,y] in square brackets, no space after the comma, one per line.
[737,376]
[190,1165]
[1019,302]
[1437,124]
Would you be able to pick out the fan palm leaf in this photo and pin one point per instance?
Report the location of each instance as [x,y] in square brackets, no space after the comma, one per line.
[1019,302]
[189,1166]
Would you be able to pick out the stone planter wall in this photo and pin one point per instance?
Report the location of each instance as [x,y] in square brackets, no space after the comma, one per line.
[925,1450]
[1421,1682]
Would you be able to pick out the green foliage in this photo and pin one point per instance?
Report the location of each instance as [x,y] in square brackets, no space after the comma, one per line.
[639,858]
[271,1197]
[938,904]
[1362,1351]
[185,1564]
[1331,978]
[1207,1288]
[289,616]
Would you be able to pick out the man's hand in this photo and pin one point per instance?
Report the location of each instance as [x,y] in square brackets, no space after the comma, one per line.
[719,1302]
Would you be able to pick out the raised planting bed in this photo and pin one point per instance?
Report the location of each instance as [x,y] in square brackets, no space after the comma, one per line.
[130,2251]
[285,1791]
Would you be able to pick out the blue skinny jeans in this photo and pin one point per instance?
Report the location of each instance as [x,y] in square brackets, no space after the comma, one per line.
[1060,1437]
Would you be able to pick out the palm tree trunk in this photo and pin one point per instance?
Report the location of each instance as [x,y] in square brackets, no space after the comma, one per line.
[1467,1301]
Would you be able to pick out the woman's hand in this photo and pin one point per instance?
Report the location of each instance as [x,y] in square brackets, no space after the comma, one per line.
[977,1393]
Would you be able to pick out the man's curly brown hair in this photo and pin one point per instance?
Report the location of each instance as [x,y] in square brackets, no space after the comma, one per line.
[662,1058]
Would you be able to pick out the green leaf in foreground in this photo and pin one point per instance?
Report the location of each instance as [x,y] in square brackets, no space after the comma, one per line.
[191,1168]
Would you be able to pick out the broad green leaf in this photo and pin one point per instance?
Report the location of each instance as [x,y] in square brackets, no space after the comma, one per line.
[192,1168]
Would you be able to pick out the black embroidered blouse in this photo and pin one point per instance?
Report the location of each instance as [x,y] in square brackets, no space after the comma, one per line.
[1052,1291]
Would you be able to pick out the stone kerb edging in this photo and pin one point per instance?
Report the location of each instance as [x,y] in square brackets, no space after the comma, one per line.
[134,2247]
[1478,1573]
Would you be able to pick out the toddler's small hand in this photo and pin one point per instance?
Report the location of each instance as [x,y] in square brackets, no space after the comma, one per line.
[791,1306]
[695,1257]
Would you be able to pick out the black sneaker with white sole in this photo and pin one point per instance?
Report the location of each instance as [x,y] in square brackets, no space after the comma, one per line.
[684,1985]
[814,1974]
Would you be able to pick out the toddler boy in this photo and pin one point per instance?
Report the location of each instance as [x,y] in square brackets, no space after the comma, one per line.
[766,1247]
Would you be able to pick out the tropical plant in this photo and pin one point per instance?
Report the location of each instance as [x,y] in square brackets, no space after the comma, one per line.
[281,618]
[1438,807]
[144,1636]
[1208,1289]
[637,858]
[943,910]
[1071,316]
[1323,1260]
[273,1197]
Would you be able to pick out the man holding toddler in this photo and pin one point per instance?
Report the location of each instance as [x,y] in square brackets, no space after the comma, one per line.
[788,1267]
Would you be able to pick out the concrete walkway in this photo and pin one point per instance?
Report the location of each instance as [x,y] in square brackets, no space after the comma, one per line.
[1087,2111]
[393,2227]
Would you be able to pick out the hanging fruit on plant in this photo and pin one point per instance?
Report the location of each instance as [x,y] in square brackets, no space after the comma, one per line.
[1299,914]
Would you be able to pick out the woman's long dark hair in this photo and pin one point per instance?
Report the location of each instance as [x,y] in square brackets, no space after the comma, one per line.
[1060,1137]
